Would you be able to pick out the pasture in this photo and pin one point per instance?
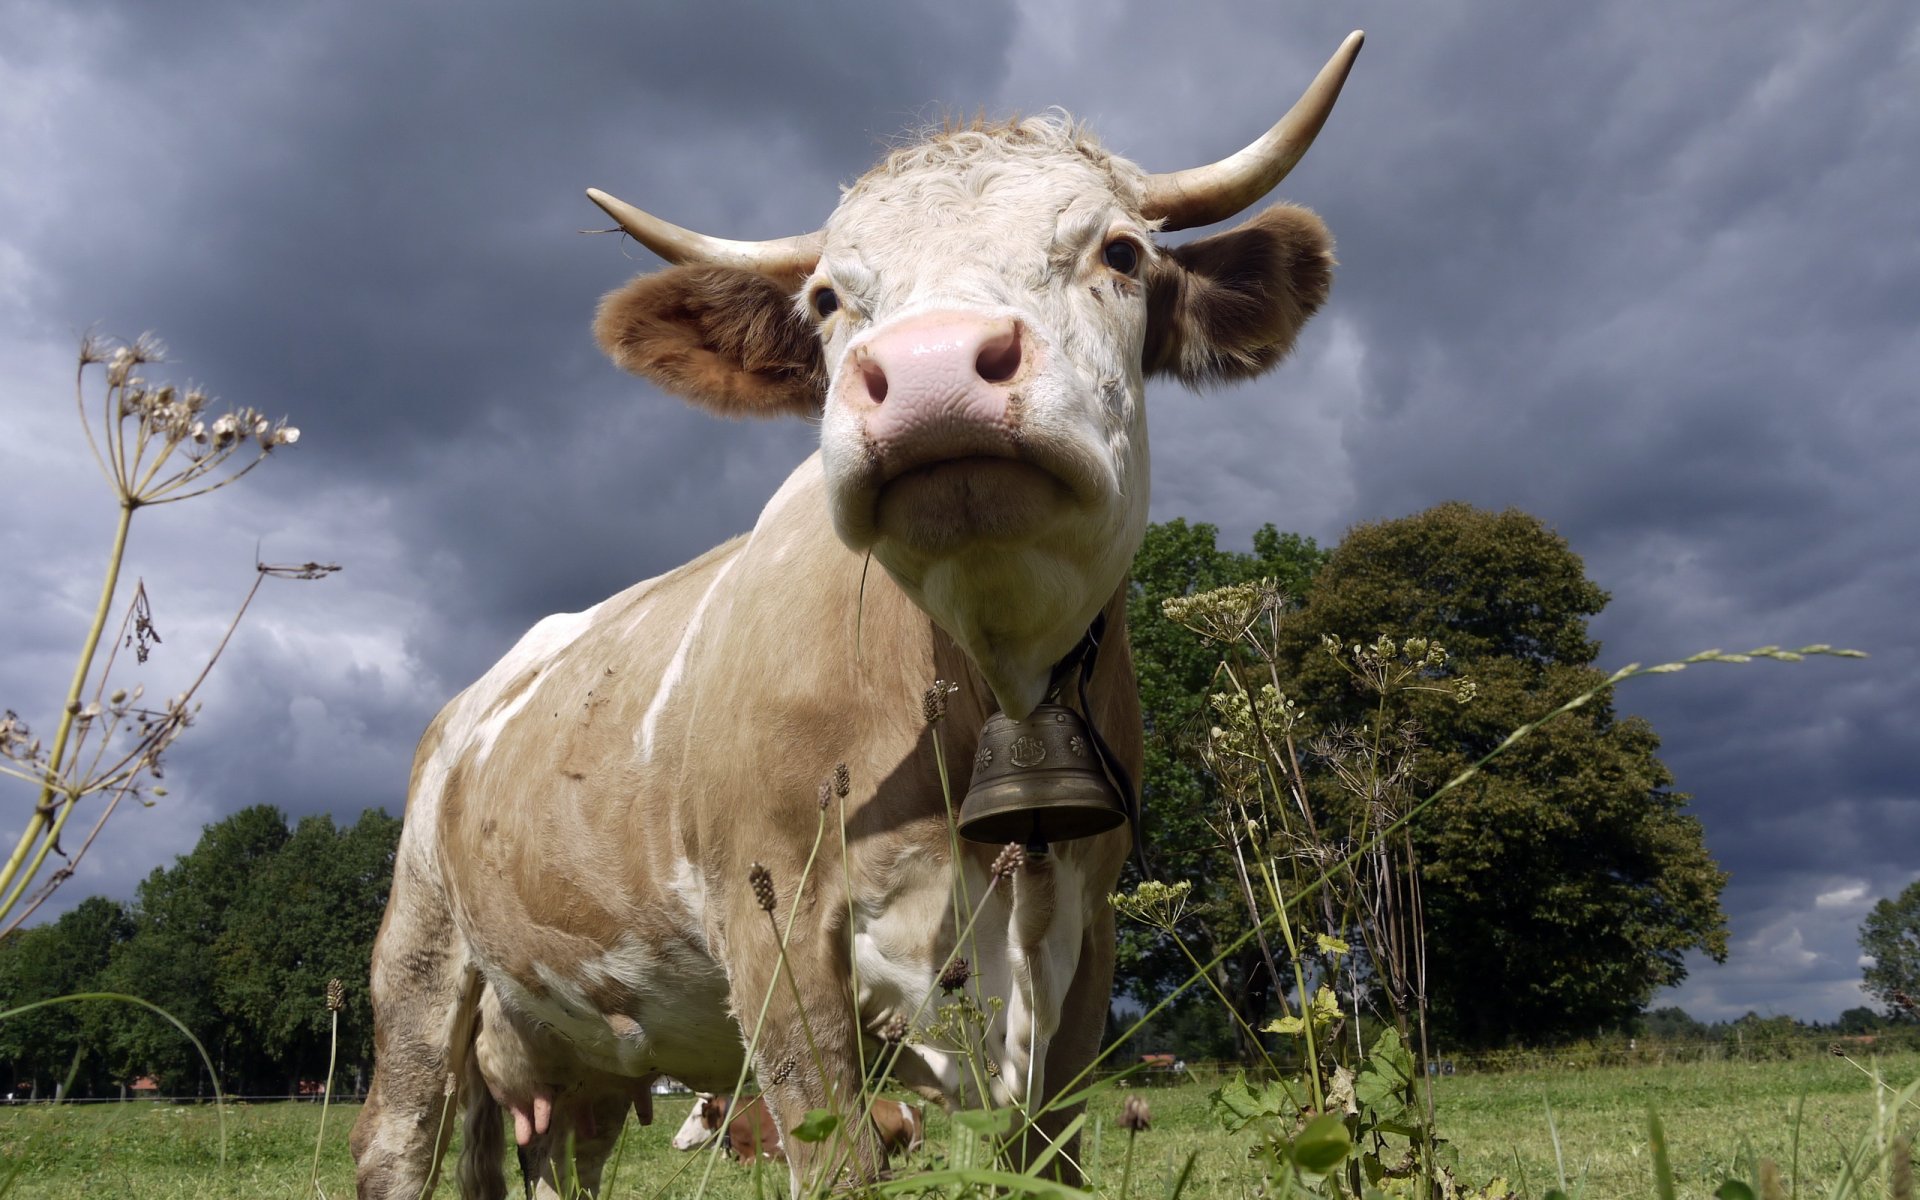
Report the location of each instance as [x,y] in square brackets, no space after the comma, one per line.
[1719,1118]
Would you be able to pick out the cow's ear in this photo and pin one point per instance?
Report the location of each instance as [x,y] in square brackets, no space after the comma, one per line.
[726,339]
[1228,307]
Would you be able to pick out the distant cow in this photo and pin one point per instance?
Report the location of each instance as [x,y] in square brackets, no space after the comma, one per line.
[574,909]
[750,1132]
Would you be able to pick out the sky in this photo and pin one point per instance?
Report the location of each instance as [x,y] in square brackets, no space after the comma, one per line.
[1636,268]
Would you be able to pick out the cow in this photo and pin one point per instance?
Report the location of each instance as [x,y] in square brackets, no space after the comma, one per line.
[705,826]
[898,1126]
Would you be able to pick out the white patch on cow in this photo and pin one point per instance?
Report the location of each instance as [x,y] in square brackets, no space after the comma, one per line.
[693,1132]
[677,668]
[689,887]
[472,724]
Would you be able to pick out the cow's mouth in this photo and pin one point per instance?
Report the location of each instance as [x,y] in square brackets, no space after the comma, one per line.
[939,507]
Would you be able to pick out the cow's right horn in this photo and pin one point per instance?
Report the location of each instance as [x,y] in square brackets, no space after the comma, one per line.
[1203,195]
[790,257]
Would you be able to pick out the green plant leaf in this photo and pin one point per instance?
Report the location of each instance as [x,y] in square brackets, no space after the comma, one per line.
[1733,1189]
[1236,1104]
[817,1125]
[1322,1145]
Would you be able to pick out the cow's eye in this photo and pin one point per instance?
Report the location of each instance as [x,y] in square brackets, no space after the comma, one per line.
[1122,255]
[825,303]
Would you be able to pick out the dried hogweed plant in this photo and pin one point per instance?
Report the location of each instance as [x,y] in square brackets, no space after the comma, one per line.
[155,444]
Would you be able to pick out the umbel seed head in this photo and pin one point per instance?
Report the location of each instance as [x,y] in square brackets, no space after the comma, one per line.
[956,975]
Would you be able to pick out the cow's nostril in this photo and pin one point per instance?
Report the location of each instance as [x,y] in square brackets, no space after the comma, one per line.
[875,379]
[1000,357]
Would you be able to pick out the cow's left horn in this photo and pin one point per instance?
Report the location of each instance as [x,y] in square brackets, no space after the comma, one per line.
[787,257]
[1203,195]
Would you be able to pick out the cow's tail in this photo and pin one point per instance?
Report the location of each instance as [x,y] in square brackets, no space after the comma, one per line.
[482,1139]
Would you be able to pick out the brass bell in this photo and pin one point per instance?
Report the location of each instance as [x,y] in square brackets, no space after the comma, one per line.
[1038,780]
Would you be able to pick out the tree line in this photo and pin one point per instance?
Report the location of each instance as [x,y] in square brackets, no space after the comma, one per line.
[1560,887]
[237,940]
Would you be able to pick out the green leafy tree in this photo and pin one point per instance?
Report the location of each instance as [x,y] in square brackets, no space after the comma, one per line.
[1178,798]
[59,959]
[1564,883]
[309,916]
[180,913]
[1891,934]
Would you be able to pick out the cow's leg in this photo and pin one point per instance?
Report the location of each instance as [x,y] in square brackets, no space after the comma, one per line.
[1083,1018]
[425,993]
[806,1056]
[482,1140]
[568,1160]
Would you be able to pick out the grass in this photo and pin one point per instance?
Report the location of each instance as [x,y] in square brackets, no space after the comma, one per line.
[1719,1117]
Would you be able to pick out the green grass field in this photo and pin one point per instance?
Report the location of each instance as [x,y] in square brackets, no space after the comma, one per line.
[1719,1118]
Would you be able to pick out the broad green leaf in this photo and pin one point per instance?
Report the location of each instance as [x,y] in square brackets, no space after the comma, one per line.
[1733,1189]
[1236,1105]
[1288,1025]
[1322,1145]
[1331,945]
[817,1125]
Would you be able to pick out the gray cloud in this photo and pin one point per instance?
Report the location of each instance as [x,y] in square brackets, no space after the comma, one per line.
[1649,274]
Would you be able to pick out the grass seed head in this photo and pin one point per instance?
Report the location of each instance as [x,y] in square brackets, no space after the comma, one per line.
[1008,860]
[761,880]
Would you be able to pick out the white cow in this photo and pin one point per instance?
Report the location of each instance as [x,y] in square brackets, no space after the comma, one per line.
[596,829]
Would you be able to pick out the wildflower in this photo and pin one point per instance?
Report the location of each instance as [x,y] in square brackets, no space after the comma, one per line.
[761,880]
[1153,903]
[894,1031]
[1007,861]
[955,976]
[842,780]
[1135,1116]
[933,704]
[336,995]
[783,1072]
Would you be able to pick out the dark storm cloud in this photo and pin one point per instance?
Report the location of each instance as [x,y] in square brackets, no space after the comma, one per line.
[1648,273]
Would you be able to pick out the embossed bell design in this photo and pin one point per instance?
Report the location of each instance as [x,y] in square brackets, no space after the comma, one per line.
[1038,780]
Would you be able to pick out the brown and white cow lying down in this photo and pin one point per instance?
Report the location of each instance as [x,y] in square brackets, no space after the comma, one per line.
[571,914]
[749,1130]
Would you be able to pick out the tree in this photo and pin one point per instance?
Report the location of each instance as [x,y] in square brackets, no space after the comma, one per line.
[309,916]
[70,955]
[1177,797]
[180,913]
[1891,934]
[1564,882]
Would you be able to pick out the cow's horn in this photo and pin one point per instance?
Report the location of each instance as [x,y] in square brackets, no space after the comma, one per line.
[790,256]
[1203,195]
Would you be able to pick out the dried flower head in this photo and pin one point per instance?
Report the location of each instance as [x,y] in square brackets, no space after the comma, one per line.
[825,795]
[895,1030]
[842,780]
[336,995]
[956,975]
[761,880]
[933,704]
[783,1071]
[1008,860]
[1135,1116]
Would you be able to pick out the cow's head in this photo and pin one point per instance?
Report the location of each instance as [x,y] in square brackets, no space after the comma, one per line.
[974,326]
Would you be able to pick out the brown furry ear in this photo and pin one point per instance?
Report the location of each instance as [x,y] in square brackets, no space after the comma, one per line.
[1228,307]
[725,339]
